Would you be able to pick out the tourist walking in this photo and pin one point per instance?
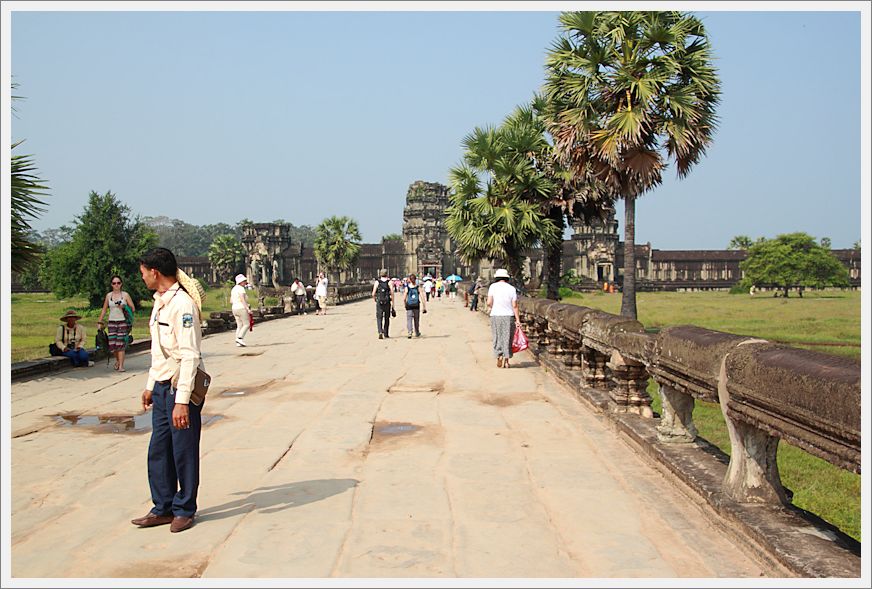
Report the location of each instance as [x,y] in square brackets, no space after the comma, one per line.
[383,295]
[298,290]
[428,287]
[438,287]
[241,309]
[321,294]
[70,339]
[174,449]
[502,300]
[452,290]
[120,320]
[473,294]
[414,305]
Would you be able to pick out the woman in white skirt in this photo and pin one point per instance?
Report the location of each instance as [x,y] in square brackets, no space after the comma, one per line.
[502,300]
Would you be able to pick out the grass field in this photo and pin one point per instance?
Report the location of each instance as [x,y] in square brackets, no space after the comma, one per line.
[35,317]
[825,321]
[829,318]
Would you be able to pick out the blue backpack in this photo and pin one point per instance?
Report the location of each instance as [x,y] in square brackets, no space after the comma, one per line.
[412,298]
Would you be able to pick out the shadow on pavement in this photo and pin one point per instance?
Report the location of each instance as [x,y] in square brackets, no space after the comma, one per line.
[277,498]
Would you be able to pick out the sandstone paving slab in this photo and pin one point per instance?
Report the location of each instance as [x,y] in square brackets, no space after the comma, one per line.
[487,472]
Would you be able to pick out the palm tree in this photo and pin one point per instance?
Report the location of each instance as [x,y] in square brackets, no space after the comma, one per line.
[26,188]
[335,243]
[502,216]
[226,255]
[630,91]
[740,242]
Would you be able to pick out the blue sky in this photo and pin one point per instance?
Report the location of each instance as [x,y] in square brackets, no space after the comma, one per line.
[218,116]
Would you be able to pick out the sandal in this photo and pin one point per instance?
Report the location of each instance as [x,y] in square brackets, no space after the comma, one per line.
[506,363]
[500,362]
[116,366]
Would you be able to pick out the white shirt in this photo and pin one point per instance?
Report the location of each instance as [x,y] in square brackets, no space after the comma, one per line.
[504,294]
[238,298]
[175,325]
[299,289]
[321,289]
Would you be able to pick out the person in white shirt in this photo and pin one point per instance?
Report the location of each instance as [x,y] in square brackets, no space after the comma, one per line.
[321,294]
[240,308]
[502,300]
[299,292]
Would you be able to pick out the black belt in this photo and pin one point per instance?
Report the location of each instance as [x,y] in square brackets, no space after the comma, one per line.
[168,381]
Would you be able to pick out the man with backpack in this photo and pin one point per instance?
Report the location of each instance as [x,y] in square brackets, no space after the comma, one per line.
[383,295]
[414,305]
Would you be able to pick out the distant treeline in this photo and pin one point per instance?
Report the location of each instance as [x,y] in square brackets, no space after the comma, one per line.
[184,239]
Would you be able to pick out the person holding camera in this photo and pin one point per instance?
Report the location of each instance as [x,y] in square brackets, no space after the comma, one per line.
[70,340]
[120,323]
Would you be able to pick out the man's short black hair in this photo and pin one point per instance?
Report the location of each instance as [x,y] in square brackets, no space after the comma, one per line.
[160,259]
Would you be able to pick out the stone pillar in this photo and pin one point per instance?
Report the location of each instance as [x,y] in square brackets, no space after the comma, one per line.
[676,420]
[630,381]
[752,476]
[593,368]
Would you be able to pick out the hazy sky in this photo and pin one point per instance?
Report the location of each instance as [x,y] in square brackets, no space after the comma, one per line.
[218,116]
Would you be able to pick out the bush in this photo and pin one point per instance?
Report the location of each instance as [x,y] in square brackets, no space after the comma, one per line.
[566,293]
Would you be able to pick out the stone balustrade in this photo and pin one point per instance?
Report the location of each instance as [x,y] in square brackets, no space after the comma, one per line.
[767,392]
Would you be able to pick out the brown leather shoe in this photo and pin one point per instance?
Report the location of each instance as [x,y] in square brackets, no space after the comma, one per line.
[181,523]
[152,519]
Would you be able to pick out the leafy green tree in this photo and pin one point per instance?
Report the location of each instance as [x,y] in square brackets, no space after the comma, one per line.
[856,245]
[740,242]
[227,256]
[392,236]
[826,243]
[793,260]
[630,91]
[337,243]
[25,204]
[104,241]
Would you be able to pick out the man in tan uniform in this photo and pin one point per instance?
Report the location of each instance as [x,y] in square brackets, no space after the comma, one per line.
[174,449]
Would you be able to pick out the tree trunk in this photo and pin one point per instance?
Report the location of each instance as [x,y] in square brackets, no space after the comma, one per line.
[786,291]
[554,258]
[628,300]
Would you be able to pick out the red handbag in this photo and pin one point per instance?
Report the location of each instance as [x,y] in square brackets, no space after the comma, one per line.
[251,321]
[519,342]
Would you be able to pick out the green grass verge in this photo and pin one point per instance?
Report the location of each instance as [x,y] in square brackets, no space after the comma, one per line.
[35,317]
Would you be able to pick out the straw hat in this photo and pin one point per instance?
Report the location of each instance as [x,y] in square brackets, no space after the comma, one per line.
[501,273]
[192,286]
[240,278]
[70,315]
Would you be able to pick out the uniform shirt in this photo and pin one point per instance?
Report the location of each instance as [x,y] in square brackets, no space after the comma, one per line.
[65,335]
[503,294]
[175,325]
[238,299]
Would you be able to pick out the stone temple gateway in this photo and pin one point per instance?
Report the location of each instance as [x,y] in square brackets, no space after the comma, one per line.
[594,252]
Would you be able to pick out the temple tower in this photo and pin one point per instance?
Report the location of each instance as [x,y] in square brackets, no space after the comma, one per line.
[427,244]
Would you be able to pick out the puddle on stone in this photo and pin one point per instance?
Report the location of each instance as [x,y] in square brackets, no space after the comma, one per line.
[248,390]
[251,354]
[117,424]
[394,429]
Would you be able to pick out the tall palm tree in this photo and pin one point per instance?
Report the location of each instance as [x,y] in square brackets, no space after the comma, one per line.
[26,190]
[630,91]
[337,243]
[226,255]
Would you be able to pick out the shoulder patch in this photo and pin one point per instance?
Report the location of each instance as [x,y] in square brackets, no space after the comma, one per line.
[187,320]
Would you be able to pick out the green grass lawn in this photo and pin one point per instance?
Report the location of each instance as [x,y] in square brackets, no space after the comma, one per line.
[824,321]
[35,317]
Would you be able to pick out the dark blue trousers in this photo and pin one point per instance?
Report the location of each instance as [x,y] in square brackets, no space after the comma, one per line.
[77,357]
[173,456]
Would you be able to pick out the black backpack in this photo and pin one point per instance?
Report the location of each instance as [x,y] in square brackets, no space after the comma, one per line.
[383,293]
